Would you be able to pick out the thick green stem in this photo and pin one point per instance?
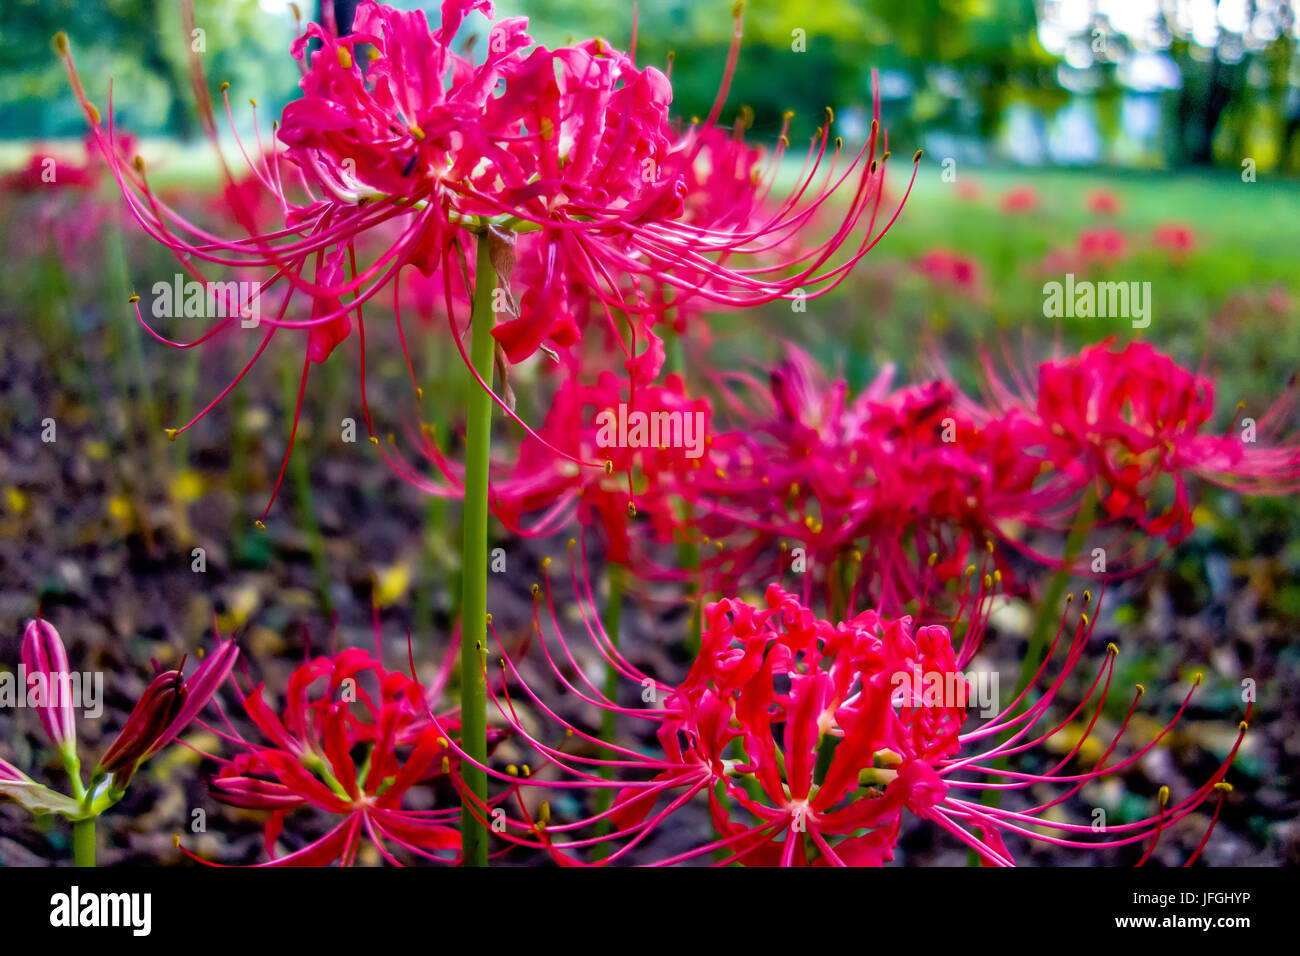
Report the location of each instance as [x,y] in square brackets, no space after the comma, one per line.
[83,842]
[474,566]
[608,728]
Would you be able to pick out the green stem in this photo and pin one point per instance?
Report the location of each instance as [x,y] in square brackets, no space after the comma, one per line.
[473,633]
[83,842]
[688,552]
[300,475]
[613,617]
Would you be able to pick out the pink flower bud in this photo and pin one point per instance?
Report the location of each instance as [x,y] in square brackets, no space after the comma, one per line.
[161,701]
[43,654]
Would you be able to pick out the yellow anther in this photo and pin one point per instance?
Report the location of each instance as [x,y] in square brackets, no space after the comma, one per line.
[572,543]
[933,559]
[225,85]
[446,764]
[1196,681]
[1112,648]
[1223,786]
[374,440]
[737,9]
[489,618]
[61,43]
[1087,596]
[546,563]
[512,770]
[253,101]
[537,589]
[417,132]
[970,570]
[527,770]
[1243,727]
[1141,689]
[1162,797]
[916,157]
[172,433]
[176,840]
[133,299]
[345,58]
[259,524]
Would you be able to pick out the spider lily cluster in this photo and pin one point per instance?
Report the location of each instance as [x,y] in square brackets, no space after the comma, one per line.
[561,219]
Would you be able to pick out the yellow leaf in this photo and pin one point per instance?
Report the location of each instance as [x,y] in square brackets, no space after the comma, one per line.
[391,583]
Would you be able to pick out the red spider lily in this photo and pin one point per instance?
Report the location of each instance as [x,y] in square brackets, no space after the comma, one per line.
[1174,238]
[810,739]
[1125,422]
[888,492]
[167,707]
[1103,246]
[652,438]
[874,485]
[46,661]
[1020,199]
[1102,202]
[948,270]
[572,144]
[47,172]
[352,741]
[59,193]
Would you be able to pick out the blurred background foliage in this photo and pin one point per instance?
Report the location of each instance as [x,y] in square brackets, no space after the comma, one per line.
[1160,83]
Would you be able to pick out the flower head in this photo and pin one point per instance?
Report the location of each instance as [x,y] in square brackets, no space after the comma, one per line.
[352,740]
[45,660]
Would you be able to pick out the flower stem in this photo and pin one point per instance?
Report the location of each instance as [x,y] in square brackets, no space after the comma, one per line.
[473,632]
[83,842]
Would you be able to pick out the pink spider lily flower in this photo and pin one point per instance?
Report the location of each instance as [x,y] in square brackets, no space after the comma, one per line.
[1103,246]
[894,485]
[351,742]
[1020,199]
[396,132]
[810,740]
[1176,239]
[46,661]
[652,438]
[167,707]
[1102,202]
[1132,425]
[950,271]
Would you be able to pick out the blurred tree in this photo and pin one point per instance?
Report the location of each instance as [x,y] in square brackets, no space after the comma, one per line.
[142,47]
